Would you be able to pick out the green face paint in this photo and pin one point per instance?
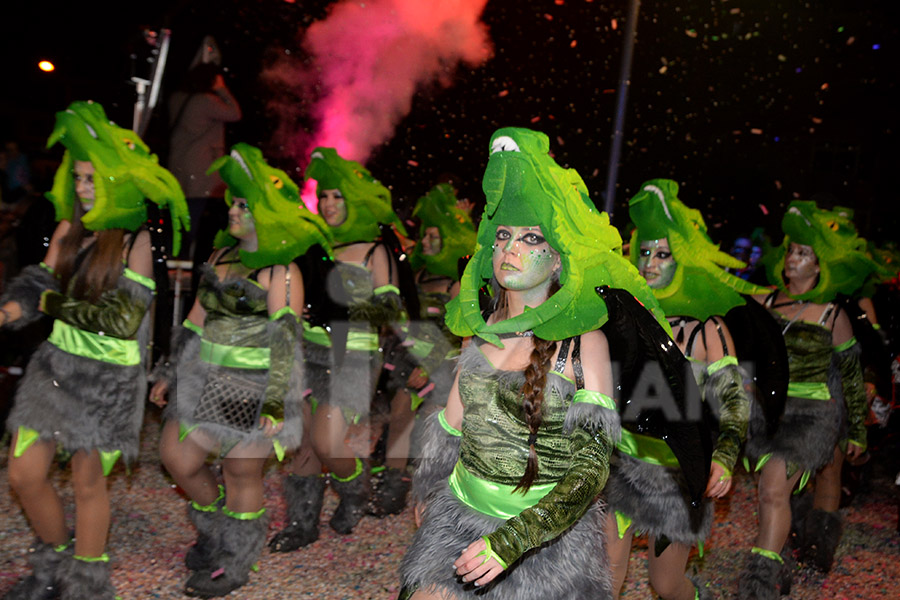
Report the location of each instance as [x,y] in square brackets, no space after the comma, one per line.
[523,260]
[431,241]
[656,263]
[240,220]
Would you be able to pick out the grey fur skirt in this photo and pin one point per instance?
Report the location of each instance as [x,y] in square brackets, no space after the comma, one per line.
[349,385]
[574,566]
[807,433]
[81,403]
[655,498]
[196,379]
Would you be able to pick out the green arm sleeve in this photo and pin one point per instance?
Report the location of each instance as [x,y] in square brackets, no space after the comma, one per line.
[727,384]
[117,313]
[283,347]
[854,393]
[563,505]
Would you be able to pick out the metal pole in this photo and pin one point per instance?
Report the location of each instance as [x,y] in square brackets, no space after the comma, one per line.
[615,152]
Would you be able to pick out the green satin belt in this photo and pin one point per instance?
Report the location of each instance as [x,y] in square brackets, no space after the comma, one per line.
[811,390]
[493,499]
[235,357]
[648,449]
[105,348]
[362,341]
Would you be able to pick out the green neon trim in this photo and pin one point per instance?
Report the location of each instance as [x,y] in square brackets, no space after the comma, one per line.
[47,268]
[213,506]
[280,450]
[92,559]
[746,462]
[356,473]
[415,401]
[442,419]
[24,440]
[488,553]
[284,310]
[88,344]
[255,567]
[494,499]
[316,335]
[876,326]
[377,469]
[385,289]
[725,361]
[184,431]
[727,474]
[623,522]
[313,404]
[700,548]
[861,445]
[563,377]
[145,281]
[846,345]
[363,341]
[420,348]
[593,397]
[62,547]
[108,460]
[648,449]
[188,324]
[236,357]
[762,461]
[809,389]
[770,554]
[803,481]
[243,516]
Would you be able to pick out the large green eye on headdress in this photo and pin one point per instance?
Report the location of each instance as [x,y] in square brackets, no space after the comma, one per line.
[843,264]
[438,209]
[285,228]
[701,287]
[524,186]
[368,202]
[125,174]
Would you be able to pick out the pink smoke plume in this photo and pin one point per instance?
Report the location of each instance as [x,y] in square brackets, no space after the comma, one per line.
[367,59]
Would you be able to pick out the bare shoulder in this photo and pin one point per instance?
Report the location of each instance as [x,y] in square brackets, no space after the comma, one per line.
[595,343]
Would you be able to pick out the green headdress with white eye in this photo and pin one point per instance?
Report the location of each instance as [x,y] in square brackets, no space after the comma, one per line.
[700,287]
[285,228]
[524,186]
[843,264]
[125,174]
[368,202]
[438,209]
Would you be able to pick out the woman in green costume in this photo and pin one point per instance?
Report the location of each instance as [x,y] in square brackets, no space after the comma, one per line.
[236,369]
[344,359]
[820,257]
[512,466]
[686,272]
[83,391]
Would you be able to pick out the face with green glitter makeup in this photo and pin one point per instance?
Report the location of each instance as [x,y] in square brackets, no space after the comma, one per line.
[240,220]
[523,260]
[656,263]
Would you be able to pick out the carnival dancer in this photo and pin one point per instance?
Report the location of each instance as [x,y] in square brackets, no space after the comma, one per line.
[343,359]
[513,465]
[422,363]
[83,390]
[824,417]
[686,271]
[235,371]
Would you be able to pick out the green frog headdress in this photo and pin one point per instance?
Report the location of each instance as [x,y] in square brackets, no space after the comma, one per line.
[843,264]
[700,287]
[368,202]
[438,209]
[524,186]
[125,174]
[285,228]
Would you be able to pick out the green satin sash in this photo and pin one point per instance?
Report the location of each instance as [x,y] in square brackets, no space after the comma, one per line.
[236,357]
[592,397]
[811,390]
[494,499]
[648,449]
[105,348]
[362,341]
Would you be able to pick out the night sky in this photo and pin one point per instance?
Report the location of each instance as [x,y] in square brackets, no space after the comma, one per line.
[746,104]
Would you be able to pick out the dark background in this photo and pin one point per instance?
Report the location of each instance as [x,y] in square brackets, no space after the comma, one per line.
[744,103]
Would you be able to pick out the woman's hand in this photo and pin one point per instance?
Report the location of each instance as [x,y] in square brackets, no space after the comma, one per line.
[418,513]
[417,379]
[853,451]
[270,426]
[719,481]
[473,565]
[158,393]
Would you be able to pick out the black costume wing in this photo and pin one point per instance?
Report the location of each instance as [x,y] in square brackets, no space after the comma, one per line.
[657,393]
[875,357]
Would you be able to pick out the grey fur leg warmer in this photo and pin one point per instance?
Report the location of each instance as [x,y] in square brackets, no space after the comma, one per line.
[822,533]
[26,290]
[760,578]
[199,556]
[703,592]
[354,501]
[239,545]
[440,451]
[42,584]
[389,490]
[303,496]
[83,580]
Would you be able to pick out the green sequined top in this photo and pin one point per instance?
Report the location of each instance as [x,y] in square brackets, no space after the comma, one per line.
[236,310]
[809,350]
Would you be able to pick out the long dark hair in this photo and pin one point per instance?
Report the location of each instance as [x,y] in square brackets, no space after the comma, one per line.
[99,270]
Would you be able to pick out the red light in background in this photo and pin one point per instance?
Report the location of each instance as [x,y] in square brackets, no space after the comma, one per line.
[46,66]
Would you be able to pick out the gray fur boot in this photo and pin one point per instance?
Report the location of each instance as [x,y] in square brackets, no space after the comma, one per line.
[354,499]
[389,490]
[238,542]
[42,584]
[303,496]
[81,579]
[760,579]
[822,533]
[199,555]
[703,592]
